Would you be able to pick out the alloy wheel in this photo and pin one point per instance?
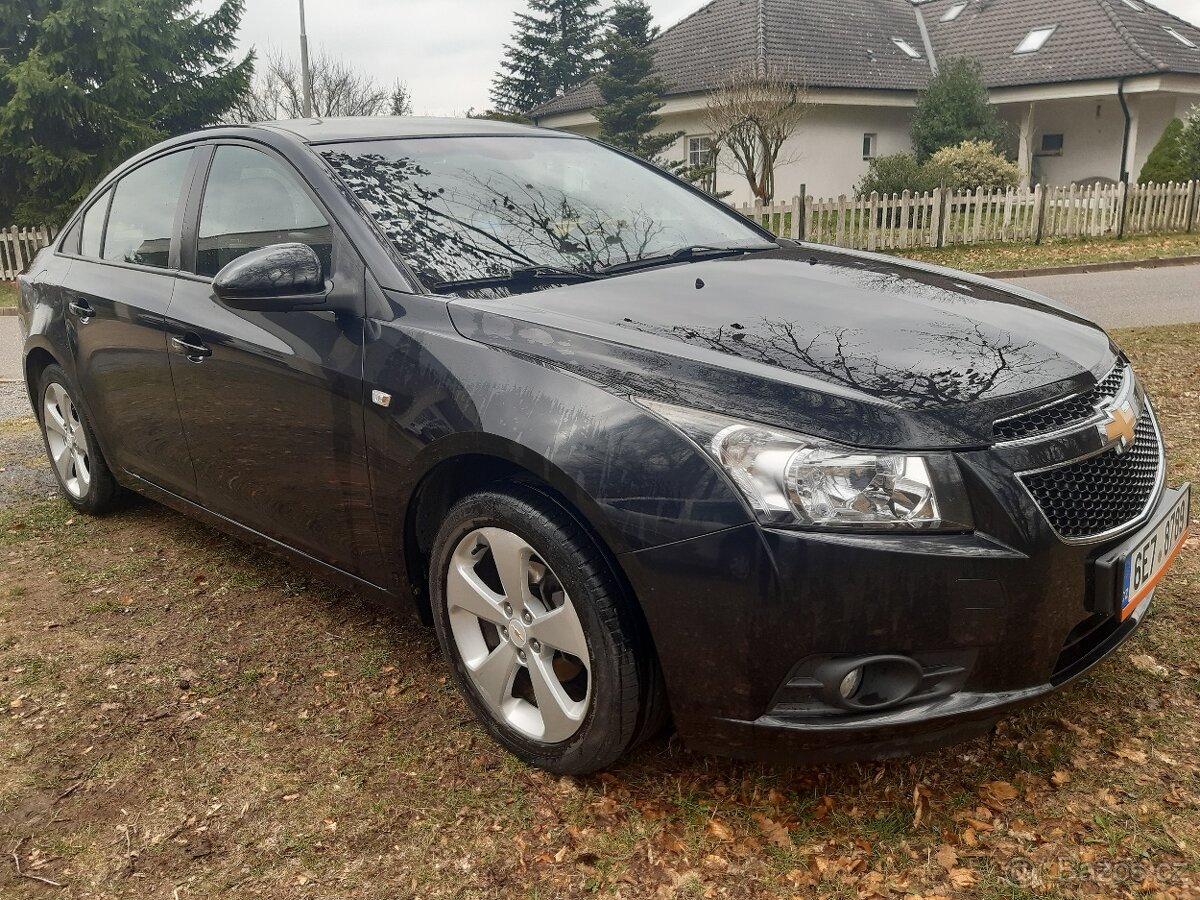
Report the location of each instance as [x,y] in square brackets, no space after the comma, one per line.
[518,635]
[67,440]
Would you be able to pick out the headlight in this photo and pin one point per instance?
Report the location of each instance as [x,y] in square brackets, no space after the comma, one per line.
[791,479]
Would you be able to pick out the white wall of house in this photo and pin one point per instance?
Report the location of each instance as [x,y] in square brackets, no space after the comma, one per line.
[826,153]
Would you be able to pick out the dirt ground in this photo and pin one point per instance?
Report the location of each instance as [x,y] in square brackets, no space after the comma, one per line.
[182,717]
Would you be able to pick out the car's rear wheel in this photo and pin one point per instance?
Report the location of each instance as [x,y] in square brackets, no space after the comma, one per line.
[83,475]
[538,633]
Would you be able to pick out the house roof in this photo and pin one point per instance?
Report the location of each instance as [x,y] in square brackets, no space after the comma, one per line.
[849,43]
[1092,39]
[830,43]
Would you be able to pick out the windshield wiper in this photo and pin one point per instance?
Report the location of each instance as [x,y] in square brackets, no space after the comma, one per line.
[517,276]
[683,254]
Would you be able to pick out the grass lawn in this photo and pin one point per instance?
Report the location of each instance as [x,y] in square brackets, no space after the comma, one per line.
[8,293]
[999,257]
[183,717]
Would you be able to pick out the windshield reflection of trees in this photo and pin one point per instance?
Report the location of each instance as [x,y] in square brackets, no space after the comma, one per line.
[469,225]
[972,363]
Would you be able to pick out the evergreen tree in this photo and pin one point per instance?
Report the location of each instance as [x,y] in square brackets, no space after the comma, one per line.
[554,48]
[1166,161]
[629,85]
[953,108]
[83,85]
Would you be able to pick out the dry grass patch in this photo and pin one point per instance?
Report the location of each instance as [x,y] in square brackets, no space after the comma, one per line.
[181,716]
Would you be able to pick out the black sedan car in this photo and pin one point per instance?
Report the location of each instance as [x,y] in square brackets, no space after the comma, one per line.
[633,457]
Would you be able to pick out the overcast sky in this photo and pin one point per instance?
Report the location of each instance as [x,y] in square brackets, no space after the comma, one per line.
[447,50]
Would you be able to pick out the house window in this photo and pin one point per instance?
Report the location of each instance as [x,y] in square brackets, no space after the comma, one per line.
[869,141]
[1182,38]
[906,47]
[1133,4]
[1035,40]
[1052,145]
[956,10]
[699,152]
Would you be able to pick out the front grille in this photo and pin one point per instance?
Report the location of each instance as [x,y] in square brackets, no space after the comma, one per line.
[1060,415]
[1098,495]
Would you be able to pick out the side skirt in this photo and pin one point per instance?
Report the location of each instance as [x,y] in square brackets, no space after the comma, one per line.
[256,538]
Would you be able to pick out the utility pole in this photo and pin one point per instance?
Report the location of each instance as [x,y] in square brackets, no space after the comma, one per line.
[305,72]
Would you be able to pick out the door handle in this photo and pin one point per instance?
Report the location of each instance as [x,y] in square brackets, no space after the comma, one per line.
[82,309]
[192,347]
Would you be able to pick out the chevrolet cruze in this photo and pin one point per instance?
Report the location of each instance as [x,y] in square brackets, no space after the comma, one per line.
[634,458]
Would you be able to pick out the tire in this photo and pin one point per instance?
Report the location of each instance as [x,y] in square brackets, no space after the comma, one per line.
[599,706]
[81,471]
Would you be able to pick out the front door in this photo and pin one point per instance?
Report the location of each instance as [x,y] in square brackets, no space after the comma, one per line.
[272,402]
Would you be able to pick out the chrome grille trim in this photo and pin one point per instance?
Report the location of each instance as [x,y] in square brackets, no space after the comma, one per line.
[1018,430]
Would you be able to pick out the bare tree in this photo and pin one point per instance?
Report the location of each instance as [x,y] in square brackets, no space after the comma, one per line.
[337,90]
[751,114]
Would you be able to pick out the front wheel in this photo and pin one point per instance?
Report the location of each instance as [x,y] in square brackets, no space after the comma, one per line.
[82,474]
[538,634]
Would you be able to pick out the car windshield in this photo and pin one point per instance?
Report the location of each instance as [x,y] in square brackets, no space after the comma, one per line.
[467,209]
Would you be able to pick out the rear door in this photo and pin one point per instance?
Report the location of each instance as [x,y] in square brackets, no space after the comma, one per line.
[271,402]
[125,255]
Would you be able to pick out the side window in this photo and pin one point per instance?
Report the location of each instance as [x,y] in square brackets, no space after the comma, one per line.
[93,226]
[252,201]
[142,217]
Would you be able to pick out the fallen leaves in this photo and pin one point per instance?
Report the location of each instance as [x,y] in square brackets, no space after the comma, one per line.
[998,793]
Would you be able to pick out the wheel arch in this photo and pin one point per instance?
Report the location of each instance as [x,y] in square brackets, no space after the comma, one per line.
[37,360]
[461,468]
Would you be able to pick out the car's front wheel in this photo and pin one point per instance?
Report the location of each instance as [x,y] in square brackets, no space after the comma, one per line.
[538,633]
[82,474]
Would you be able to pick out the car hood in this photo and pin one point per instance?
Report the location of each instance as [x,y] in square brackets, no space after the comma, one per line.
[844,345]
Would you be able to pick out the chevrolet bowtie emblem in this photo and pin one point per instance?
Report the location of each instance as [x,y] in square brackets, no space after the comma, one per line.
[1120,429]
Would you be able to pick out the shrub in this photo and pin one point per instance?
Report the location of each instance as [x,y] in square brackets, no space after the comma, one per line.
[1190,140]
[975,164]
[1166,161]
[895,174]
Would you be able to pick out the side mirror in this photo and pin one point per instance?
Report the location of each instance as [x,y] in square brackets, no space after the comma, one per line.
[273,279]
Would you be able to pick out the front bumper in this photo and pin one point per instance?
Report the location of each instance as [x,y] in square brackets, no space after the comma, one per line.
[735,614]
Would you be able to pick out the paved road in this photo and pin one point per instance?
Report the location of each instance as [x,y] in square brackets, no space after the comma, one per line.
[1164,296]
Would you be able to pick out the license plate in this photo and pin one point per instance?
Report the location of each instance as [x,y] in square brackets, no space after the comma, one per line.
[1146,563]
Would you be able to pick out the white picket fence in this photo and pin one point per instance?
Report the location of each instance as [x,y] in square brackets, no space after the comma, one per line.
[18,247]
[941,218]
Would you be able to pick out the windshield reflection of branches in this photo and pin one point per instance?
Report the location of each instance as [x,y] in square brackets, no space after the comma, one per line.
[416,219]
[981,363]
[559,229]
[459,226]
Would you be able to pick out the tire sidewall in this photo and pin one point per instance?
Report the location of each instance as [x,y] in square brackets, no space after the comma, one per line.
[602,735]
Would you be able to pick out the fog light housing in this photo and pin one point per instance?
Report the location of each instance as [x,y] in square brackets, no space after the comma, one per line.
[869,684]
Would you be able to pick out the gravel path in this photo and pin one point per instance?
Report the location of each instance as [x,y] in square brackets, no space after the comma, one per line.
[24,470]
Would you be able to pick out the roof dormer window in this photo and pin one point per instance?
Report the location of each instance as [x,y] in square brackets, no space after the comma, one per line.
[1182,38]
[956,10]
[1035,40]
[906,48]
[1133,4]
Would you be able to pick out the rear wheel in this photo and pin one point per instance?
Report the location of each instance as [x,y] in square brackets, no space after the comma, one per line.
[83,476]
[538,633]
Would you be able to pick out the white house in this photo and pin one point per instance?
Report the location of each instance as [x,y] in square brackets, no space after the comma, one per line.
[1088,85]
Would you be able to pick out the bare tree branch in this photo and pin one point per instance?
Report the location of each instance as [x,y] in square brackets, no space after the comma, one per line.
[752,114]
[338,90]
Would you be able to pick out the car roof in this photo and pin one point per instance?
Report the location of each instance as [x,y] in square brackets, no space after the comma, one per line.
[363,128]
